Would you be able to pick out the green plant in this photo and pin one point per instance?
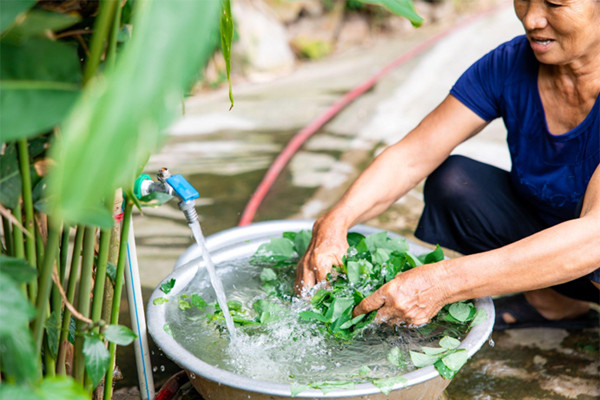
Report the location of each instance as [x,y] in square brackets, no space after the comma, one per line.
[87,90]
[82,105]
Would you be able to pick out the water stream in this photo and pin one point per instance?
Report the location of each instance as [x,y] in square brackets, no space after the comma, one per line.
[214,279]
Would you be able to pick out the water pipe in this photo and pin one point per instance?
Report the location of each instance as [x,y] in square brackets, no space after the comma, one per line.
[177,187]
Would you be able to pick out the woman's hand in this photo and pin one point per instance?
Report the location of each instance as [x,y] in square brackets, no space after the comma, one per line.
[327,247]
[412,297]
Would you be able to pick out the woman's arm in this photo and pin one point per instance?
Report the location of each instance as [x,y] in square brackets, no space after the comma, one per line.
[555,255]
[391,175]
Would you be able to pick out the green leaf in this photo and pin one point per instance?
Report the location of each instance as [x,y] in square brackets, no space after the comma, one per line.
[327,386]
[17,269]
[18,359]
[364,370]
[296,389]
[119,335]
[39,83]
[449,343]
[111,271]
[301,241]
[183,304]
[381,255]
[11,10]
[268,311]
[422,360]
[310,315]
[353,321]
[456,360]
[480,317]
[356,269]
[433,257]
[167,286]
[354,238]
[386,385]
[160,300]
[268,275]
[10,177]
[197,301]
[9,391]
[96,358]
[276,249]
[403,8]
[226,39]
[52,327]
[167,329]
[461,311]
[433,351]
[444,371]
[396,358]
[14,307]
[122,118]
[62,388]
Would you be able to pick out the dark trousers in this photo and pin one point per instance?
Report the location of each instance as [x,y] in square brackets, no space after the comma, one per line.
[472,207]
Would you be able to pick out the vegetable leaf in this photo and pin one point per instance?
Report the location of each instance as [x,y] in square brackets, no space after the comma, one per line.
[167,286]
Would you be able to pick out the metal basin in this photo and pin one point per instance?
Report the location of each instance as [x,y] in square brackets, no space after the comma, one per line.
[217,384]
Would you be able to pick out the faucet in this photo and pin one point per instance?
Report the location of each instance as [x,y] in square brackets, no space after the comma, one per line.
[173,185]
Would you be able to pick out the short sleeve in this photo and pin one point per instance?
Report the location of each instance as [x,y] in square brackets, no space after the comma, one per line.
[480,87]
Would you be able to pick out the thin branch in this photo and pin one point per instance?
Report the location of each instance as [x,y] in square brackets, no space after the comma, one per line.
[8,215]
[70,306]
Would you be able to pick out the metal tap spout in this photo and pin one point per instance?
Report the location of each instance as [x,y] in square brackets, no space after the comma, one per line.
[175,186]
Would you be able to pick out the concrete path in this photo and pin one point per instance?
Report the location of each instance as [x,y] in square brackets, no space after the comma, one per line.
[225,154]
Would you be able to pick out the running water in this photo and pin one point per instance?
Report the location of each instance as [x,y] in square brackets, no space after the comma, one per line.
[214,279]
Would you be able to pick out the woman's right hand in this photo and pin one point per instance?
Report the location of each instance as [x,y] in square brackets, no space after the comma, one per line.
[327,247]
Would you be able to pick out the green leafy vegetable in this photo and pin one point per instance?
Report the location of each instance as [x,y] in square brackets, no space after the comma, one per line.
[167,286]
[160,300]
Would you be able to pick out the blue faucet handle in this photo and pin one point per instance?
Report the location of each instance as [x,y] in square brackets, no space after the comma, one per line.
[183,188]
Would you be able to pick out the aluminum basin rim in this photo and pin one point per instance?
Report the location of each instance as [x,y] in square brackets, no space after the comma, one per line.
[226,242]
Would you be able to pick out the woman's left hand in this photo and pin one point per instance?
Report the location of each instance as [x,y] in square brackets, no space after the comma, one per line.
[412,297]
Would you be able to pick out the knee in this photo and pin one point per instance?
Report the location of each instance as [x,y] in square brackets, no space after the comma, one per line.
[450,184]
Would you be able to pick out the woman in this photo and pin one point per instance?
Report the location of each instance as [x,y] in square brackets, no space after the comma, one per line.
[534,230]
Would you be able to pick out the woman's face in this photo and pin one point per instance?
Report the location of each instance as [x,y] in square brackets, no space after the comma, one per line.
[561,31]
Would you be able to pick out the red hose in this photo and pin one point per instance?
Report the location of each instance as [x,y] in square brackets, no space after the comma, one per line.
[299,139]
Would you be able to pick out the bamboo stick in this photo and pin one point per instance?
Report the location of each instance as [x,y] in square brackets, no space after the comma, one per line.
[73,277]
[83,301]
[114,320]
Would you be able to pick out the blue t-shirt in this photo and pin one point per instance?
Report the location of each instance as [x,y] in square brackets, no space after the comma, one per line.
[550,171]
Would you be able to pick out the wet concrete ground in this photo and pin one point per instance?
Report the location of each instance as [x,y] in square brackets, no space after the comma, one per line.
[224,154]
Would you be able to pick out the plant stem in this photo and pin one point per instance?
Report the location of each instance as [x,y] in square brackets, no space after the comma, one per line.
[101,30]
[45,284]
[114,319]
[100,280]
[112,44]
[17,234]
[66,322]
[83,302]
[27,201]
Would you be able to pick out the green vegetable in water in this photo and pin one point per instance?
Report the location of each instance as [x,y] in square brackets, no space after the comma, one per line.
[371,261]
[167,286]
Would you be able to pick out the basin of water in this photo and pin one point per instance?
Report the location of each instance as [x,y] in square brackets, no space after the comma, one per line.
[215,381]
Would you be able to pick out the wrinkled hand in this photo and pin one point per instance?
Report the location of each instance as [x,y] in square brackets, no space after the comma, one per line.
[327,247]
[411,297]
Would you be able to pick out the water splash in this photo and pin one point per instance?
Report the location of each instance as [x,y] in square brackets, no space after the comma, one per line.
[214,279]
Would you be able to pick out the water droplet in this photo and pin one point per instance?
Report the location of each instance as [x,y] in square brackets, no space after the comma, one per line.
[162,368]
[491,342]
[154,369]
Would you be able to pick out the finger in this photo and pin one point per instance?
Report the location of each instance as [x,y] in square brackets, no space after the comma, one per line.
[373,302]
[304,278]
